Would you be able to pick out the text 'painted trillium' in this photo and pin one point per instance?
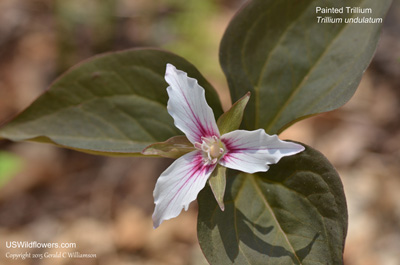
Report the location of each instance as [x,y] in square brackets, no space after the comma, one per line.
[247,151]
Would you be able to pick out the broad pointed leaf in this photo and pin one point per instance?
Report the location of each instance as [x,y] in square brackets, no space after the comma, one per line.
[231,120]
[295,213]
[217,182]
[174,147]
[292,65]
[111,104]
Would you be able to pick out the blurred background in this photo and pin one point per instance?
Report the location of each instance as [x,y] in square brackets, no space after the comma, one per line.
[104,205]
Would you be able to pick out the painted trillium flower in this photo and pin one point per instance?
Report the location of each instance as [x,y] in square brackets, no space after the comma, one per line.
[247,151]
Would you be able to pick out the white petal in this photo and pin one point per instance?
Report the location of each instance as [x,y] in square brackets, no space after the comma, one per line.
[252,151]
[179,185]
[188,106]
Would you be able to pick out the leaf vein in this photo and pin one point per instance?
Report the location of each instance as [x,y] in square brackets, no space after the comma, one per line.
[259,192]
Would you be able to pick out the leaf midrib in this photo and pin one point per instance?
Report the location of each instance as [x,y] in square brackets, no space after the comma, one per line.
[305,78]
[263,68]
[298,87]
[264,200]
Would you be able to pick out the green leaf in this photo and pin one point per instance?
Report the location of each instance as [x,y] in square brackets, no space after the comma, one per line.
[294,66]
[113,104]
[217,182]
[10,164]
[231,120]
[174,147]
[295,213]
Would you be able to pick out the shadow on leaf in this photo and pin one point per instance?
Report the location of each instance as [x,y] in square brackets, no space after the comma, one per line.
[236,229]
[249,232]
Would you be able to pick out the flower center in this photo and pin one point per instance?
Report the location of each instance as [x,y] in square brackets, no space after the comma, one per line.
[212,147]
[215,150]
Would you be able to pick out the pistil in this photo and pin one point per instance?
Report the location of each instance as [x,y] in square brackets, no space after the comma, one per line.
[212,147]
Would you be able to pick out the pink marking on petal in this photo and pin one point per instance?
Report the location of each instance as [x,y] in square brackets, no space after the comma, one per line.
[199,168]
[230,144]
[202,131]
[254,151]
[179,185]
[188,106]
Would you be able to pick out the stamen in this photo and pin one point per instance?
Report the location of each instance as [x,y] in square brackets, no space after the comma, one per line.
[205,147]
[206,140]
[212,148]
